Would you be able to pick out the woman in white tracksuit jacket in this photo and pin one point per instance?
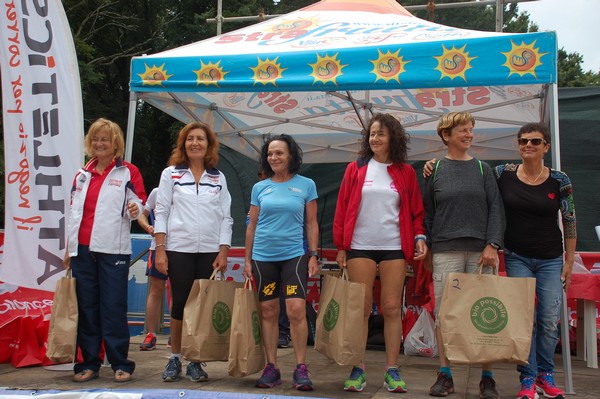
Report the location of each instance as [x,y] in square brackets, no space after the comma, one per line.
[192,229]
[106,195]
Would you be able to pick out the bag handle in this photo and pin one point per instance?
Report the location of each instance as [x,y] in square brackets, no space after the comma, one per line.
[480,269]
[69,273]
[219,273]
[248,284]
[344,275]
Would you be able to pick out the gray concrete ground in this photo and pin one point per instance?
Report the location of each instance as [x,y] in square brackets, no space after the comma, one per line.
[418,372]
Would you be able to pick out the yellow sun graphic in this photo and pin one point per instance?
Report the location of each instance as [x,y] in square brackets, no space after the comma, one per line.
[388,66]
[454,62]
[210,74]
[288,25]
[327,69]
[154,76]
[523,58]
[267,71]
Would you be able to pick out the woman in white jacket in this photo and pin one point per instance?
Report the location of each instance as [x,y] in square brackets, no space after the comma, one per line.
[106,195]
[192,229]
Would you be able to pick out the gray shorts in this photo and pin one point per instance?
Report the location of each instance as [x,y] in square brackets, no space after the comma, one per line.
[453,261]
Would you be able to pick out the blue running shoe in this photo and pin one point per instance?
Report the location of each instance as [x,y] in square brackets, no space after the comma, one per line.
[270,377]
[300,380]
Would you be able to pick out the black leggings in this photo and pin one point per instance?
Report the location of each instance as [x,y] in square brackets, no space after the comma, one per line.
[184,268]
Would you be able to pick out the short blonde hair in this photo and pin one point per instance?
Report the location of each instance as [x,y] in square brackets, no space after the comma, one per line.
[452,119]
[114,131]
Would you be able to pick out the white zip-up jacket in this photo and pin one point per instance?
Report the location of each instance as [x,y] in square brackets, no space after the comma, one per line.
[112,220]
[195,218]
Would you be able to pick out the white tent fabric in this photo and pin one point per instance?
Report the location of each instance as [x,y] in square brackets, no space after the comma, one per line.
[320,72]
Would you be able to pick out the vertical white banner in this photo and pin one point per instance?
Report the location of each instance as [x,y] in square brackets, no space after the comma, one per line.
[43,138]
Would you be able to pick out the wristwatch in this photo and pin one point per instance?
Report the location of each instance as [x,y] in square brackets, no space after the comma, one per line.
[313,253]
[494,245]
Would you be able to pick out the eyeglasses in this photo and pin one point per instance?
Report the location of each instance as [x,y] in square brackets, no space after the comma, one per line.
[536,141]
[101,140]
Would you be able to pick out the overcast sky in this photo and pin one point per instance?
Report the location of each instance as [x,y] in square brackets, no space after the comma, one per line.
[577,25]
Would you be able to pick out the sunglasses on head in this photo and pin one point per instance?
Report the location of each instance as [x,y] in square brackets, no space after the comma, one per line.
[536,141]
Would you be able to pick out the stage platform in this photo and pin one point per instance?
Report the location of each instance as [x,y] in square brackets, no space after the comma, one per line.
[418,372]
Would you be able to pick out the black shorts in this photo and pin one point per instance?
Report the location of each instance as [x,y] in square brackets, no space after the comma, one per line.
[377,256]
[292,273]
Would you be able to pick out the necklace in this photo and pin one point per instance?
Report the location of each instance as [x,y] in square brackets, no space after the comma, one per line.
[534,180]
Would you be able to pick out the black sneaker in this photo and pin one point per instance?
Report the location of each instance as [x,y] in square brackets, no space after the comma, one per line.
[487,388]
[443,385]
[172,370]
[270,377]
[284,341]
[195,373]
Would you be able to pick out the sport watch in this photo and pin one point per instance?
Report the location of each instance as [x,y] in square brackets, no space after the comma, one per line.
[313,253]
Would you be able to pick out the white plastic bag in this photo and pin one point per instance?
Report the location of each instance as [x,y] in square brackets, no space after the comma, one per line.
[420,340]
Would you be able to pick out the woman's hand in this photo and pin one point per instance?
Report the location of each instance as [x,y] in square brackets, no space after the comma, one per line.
[220,262]
[428,167]
[420,250]
[162,262]
[247,268]
[133,209]
[67,260]
[313,266]
[489,257]
[341,259]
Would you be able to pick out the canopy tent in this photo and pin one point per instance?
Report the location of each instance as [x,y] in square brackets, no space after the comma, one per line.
[320,72]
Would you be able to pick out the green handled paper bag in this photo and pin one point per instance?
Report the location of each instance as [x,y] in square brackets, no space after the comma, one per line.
[246,353]
[207,319]
[487,318]
[340,326]
[62,334]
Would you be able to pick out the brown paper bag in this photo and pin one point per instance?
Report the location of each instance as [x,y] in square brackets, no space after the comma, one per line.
[246,353]
[340,326]
[207,319]
[487,318]
[62,334]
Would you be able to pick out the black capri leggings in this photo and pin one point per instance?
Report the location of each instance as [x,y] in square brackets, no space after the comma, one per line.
[184,268]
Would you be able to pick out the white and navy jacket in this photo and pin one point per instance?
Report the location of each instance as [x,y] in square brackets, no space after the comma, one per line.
[195,218]
[112,221]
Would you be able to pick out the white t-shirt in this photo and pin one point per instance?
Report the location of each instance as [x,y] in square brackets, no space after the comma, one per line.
[377,222]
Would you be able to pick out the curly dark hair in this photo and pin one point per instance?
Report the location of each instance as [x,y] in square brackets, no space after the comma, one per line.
[293,147]
[399,138]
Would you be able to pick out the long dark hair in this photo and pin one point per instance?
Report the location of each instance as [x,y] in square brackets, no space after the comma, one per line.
[399,139]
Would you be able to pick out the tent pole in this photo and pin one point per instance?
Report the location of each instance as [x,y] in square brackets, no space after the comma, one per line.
[552,104]
[130,125]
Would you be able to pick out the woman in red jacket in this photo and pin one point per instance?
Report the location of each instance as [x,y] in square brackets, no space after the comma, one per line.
[378,225]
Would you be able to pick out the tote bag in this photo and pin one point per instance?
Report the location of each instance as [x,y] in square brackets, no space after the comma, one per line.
[207,319]
[487,318]
[62,334]
[340,326]
[246,353]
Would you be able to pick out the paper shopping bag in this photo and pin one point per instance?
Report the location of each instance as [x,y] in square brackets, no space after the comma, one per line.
[207,319]
[340,324]
[62,335]
[487,318]
[246,353]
